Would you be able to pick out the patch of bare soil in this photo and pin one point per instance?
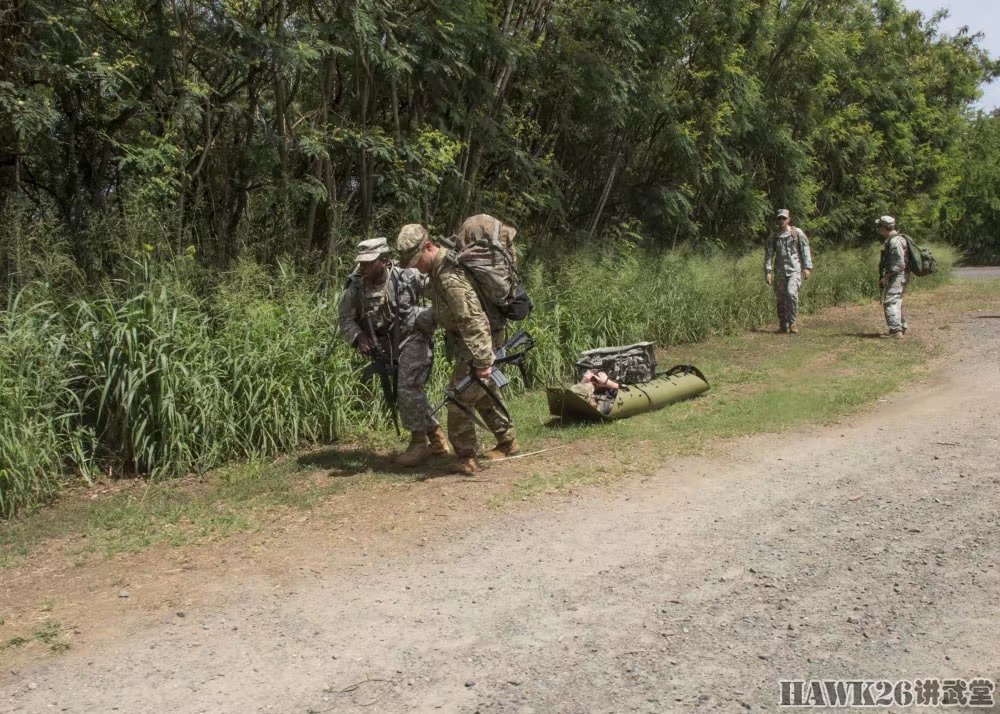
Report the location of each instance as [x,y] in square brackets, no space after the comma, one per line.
[866,550]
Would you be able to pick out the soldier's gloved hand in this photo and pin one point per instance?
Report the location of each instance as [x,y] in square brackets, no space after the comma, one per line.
[364,345]
[483,372]
[769,278]
[807,273]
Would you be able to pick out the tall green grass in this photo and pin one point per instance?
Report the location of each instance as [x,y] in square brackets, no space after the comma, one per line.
[172,371]
[591,300]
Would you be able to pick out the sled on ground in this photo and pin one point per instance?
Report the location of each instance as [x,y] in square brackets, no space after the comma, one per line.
[619,382]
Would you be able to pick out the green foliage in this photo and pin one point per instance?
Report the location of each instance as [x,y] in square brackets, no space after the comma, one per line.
[35,430]
[973,216]
[158,162]
[162,376]
[595,299]
[291,128]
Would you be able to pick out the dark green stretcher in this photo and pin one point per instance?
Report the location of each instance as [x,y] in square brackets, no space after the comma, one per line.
[677,383]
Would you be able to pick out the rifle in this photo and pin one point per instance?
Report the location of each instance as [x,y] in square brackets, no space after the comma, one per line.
[383,366]
[511,352]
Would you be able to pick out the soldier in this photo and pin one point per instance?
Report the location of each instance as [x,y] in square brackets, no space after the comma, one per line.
[786,253]
[469,343]
[893,274]
[380,306]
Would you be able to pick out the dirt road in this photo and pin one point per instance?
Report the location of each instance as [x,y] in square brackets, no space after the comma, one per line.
[865,550]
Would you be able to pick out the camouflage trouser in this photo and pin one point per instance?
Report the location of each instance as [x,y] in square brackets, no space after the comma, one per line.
[416,357]
[892,303]
[786,290]
[461,429]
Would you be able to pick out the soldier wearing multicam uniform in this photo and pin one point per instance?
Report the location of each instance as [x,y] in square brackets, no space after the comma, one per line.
[389,296]
[787,260]
[469,341]
[893,274]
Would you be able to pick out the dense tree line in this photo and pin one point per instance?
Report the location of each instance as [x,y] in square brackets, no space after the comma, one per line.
[270,127]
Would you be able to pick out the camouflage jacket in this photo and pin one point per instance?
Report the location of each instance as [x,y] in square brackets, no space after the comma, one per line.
[394,304]
[457,309]
[894,255]
[788,252]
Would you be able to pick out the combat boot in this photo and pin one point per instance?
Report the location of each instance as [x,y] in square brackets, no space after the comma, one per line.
[466,465]
[417,452]
[503,449]
[438,442]
[793,328]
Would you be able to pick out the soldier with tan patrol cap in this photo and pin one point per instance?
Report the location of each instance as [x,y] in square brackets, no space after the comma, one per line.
[468,339]
[894,274]
[381,305]
[787,261]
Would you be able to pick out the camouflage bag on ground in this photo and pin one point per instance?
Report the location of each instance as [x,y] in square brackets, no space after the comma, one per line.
[485,248]
[627,364]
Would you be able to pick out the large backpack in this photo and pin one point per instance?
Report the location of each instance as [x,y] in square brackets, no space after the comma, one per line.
[485,248]
[627,364]
[920,261]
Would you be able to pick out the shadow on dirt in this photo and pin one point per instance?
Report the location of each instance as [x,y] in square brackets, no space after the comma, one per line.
[348,461]
[864,335]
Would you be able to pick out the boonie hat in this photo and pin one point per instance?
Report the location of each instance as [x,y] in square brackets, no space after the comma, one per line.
[885,222]
[782,213]
[371,249]
[411,237]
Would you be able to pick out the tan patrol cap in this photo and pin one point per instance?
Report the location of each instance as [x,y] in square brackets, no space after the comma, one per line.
[885,222]
[371,249]
[411,237]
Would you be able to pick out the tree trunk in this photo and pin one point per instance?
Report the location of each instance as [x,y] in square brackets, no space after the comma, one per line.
[604,195]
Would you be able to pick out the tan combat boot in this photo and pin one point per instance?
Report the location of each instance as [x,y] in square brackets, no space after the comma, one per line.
[439,443]
[503,449]
[417,452]
[793,328]
[466,465]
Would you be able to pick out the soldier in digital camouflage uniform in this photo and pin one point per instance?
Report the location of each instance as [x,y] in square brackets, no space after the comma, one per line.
[787,260]
[390,296]
[469,341]
[893,274]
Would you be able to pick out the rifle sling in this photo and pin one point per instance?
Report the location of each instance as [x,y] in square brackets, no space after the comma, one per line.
[497,402]
[466,409]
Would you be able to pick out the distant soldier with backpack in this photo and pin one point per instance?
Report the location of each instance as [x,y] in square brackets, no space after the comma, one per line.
[470,340]
[381,317]
[894,274]
[787,261]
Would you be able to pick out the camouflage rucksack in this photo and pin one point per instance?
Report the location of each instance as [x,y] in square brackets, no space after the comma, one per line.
[627,364]
[920,261]
[485,248]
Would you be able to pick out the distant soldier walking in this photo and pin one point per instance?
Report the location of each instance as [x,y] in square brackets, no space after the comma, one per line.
[787,261]
[894,275]
[469,342]
[380,312]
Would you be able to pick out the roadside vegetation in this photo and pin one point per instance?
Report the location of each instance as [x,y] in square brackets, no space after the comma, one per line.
[182,186]
[154,378]
[761,382]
